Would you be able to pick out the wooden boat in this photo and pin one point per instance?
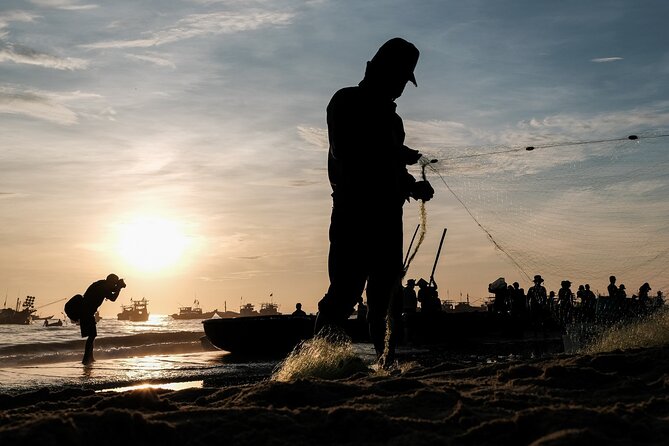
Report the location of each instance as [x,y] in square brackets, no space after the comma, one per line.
[269,335]
[18,316]
[137,311]
[56,323]
[194,312]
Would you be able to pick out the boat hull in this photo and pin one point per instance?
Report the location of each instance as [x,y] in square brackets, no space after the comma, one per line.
[256,335]
[9,316]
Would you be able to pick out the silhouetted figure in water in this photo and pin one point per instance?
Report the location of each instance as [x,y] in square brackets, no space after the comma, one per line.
[409,298]
[96,293]
[367,170]
[298,310]
[428,297]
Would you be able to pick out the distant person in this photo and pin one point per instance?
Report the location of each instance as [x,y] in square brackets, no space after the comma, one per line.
[367,170]
[565,300]
[537,303]
[96,293]
[643,293]
[428,297]
[622,294]
[409,299]
[536,295]
[501,291]
[518,306]
[551,300]
[589,302]
[658,300]
[298,310]
[612,288]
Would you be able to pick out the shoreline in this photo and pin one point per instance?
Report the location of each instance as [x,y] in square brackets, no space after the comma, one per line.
[613,398]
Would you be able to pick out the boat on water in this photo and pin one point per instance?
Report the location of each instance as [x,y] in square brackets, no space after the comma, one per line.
[20,315]
[49,323]
[195,312]
[266,309]
[137,311]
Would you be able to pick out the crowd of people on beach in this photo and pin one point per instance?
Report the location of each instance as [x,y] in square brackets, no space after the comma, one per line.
[538,305]
[566,306]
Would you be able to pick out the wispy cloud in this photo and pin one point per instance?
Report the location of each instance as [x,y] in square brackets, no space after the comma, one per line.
[23,55]
[606,59]
[47,106]
[15,16]
[68,5]
[196,25]
[317,137]
[153,58]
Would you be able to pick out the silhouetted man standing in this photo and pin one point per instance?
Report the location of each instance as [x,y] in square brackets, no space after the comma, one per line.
[367,171]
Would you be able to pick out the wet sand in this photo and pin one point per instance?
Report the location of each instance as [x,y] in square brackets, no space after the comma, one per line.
[612,398]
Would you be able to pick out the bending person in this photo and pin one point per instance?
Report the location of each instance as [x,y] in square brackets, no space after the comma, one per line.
[96,293]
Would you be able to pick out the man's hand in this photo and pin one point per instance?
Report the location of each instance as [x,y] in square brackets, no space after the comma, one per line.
[410,156]
[422,190]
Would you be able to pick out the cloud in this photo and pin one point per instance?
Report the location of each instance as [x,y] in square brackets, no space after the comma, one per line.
[24,55]
[68,5]
[48,106]
[196,25]
[15,16]
[606,59]
[35,105]
[317,137]
[153,58]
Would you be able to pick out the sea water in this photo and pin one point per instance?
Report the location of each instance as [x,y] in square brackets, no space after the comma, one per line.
[159,350]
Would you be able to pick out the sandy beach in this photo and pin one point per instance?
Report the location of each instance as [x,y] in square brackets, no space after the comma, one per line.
[614,398]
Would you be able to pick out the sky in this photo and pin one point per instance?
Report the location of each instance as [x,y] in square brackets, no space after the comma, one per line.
[182,145]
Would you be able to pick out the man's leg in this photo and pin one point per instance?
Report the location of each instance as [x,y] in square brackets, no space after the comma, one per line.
[346,268]
[88,351]
[89,330]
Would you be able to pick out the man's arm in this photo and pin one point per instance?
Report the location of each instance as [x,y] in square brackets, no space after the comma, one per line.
[117,290]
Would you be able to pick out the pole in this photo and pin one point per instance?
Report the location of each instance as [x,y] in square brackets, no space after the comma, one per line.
[443,234]
[404,264]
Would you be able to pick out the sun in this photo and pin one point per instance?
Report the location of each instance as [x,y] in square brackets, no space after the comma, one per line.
[151,244]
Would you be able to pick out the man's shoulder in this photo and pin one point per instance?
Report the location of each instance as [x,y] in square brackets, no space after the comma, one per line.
[346,95]
[96,287]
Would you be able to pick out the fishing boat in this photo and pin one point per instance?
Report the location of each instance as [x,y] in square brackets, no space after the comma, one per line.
[137,311]
[269,309]
[21,314]
[194,312]
[49,323]
[269,335]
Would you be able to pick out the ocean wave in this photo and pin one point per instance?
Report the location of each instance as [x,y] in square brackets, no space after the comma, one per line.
[141,344]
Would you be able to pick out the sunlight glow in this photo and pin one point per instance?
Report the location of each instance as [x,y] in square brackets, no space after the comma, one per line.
[151,244]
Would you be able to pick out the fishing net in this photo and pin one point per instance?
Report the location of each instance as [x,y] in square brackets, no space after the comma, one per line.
[571,210]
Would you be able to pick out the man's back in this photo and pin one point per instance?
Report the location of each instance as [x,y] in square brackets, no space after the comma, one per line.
[366,161]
